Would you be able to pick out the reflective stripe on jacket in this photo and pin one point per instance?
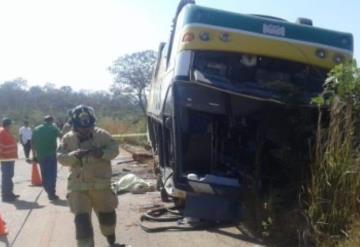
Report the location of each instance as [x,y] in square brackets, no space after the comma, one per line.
[88,173]
[8,145]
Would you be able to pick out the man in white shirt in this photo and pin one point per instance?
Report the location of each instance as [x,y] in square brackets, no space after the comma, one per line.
[25,138]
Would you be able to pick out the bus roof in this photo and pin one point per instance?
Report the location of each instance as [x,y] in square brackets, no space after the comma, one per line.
[195,14]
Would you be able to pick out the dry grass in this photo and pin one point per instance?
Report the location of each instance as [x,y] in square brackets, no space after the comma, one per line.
[116,126]
[335,181]
[353,240]
[334,190]
[119,127]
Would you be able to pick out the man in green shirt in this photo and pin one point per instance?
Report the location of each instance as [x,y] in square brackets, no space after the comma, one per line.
[44,143]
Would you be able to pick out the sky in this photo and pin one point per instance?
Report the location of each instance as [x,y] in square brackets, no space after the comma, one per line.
[73,42]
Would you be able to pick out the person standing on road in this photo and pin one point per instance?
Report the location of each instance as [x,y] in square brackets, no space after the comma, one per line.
[8,155]
[25,135]
[44,145]
[87,151]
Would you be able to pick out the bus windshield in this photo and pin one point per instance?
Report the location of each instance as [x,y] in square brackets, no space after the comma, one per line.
[260,76]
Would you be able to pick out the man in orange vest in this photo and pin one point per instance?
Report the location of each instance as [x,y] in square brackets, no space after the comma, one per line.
[8,155]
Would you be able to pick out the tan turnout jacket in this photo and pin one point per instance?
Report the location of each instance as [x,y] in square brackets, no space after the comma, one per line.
[88,173]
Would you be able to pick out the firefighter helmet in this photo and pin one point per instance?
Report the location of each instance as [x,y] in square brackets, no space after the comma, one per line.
[83,117]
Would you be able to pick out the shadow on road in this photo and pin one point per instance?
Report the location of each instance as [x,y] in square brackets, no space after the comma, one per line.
[60,202]
[4,239]
[240,236]
[25,205]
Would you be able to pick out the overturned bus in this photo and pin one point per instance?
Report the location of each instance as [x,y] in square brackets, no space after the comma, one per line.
[229,104]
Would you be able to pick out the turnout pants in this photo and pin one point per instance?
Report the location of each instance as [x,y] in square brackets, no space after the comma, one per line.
[7,173]
[103,202]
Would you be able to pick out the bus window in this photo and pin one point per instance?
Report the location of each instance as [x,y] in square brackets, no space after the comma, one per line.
[251,73]
[164,54]
[161,60]
[158,62]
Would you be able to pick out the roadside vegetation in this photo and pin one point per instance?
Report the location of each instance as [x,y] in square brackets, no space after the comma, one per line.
[119,109]
[19,102]
[333,209]
[321,207]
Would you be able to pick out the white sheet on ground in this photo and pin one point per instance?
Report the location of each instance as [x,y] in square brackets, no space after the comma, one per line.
[131,183]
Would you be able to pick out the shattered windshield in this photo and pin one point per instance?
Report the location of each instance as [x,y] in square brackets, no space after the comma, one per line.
[265,77]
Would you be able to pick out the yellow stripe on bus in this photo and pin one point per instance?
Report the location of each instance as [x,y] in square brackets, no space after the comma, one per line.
[270,47]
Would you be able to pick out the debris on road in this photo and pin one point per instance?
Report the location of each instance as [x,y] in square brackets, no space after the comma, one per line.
[139,154]
[132,183]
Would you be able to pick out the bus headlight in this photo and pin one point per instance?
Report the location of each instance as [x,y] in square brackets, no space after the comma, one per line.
[320,53]
[204,36]
[188,37]
[338,58]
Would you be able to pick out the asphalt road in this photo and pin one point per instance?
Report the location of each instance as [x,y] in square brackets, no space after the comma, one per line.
[34,221]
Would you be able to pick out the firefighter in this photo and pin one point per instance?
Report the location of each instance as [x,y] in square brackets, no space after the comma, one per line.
[87,150]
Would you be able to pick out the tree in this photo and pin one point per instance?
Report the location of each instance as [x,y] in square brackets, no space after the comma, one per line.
[12,93]
[66,89]
[18,101]
[16,84]
[133,74]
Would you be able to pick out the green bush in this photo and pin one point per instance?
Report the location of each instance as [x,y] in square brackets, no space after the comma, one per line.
[334,189]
